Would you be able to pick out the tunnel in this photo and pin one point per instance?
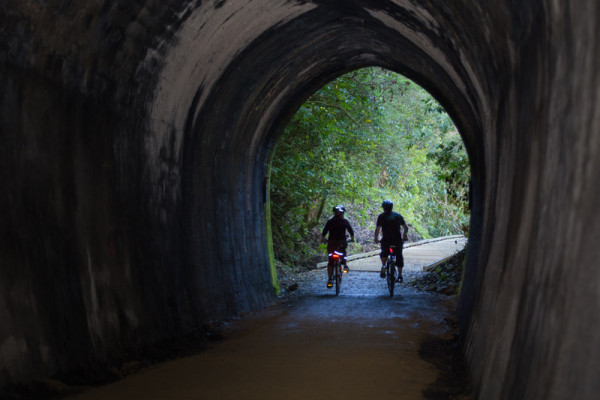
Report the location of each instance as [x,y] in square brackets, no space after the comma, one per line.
[135,138]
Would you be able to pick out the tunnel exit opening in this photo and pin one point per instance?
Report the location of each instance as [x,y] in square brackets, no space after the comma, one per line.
[368,135]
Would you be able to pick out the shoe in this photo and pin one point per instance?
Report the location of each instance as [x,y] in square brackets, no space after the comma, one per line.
[330,283]
[382,273]
[346,269]
[400,279]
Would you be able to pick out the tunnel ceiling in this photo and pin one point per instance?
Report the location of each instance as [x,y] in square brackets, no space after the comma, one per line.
[136,138]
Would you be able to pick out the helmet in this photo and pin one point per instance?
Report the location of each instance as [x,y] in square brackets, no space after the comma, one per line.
[339,208]
[387,205]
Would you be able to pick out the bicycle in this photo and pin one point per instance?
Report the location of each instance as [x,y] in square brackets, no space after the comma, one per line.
[337,270]
[391,273]
[338,257]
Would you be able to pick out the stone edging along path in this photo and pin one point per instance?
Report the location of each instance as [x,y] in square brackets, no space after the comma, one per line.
[406,245]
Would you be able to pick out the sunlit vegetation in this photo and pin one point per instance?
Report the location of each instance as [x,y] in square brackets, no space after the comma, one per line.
[366,136]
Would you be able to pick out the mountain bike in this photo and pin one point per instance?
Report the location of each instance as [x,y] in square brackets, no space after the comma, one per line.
[339,261]
[337,256]
[391,273]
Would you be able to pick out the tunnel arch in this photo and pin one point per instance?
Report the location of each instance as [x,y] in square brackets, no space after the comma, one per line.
[231,124]
[283,72]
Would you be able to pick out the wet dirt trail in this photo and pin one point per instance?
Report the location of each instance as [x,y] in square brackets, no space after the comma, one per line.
[361,344]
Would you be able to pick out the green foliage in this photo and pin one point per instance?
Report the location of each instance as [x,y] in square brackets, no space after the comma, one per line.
[368,135]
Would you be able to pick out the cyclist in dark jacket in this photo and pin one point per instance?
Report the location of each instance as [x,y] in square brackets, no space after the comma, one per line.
[336,227]
[389,223]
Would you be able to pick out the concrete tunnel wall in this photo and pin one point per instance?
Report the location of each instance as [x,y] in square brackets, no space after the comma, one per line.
[134,142]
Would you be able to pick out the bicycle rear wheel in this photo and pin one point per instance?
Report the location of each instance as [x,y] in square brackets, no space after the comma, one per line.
[391,276]
[338,278]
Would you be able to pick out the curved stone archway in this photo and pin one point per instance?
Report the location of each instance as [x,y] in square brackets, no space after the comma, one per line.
[135,139]
[262,87]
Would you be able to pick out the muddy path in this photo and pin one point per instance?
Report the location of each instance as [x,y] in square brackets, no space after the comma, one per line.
[361,344]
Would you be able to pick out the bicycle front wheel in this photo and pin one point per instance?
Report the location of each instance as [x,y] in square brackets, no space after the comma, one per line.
[391,276]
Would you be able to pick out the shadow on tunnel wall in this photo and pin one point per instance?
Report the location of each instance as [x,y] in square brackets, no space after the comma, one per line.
[134,142]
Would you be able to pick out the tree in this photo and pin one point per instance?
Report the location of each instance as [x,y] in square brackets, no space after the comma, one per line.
[368,135]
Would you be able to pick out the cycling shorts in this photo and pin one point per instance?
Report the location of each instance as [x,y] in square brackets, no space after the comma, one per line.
[385,247]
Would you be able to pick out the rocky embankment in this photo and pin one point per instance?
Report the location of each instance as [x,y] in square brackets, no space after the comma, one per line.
[445,278]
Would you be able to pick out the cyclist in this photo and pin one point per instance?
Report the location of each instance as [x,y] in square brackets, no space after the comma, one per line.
[336,227]
[389,223]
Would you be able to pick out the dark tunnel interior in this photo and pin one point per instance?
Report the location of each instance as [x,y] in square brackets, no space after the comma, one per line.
[136,135]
